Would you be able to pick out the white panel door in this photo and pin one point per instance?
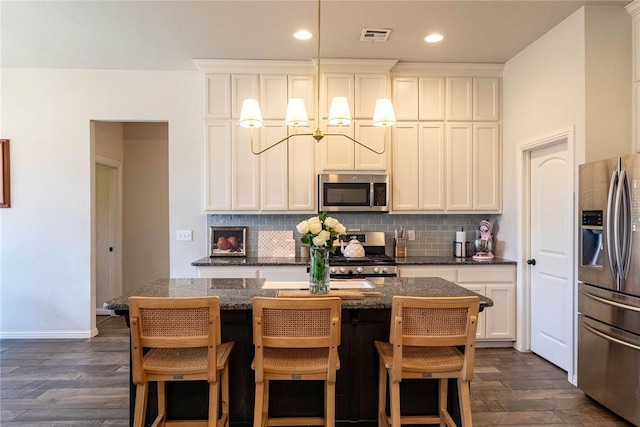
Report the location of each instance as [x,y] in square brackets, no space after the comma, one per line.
[217,103]
[486,167]
[337,152]
[551,247]
[304,87]
[106,223]
[243,86]
[273,96]
[335,84]
[459,98]
[406,167]
[368,89]
[302,174]
[486,99]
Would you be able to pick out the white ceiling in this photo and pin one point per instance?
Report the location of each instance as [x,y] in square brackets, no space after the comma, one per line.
[167,35]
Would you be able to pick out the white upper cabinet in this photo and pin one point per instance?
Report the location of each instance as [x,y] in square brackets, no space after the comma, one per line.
[245,169]
[459,166]
[303,86]
[432,167]
[302,176]
[217,166]
[273,96]
[432,99]
[405,97]
[217,100]
[362,91]
[273,167]
[459,98]
[243,86]
[476,98]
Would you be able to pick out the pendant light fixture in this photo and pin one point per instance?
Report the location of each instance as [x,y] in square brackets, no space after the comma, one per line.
[339,114]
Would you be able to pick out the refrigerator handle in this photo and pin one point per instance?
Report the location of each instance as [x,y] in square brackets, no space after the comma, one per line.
[613,184]
[625,197]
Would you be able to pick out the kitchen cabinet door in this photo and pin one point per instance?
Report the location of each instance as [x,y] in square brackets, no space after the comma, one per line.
[273,96]
[486,99]
[303,86]
[368,89]
[245,170]
[459,98]
[501,318]
[432,101]
[406,167]
[302,175]
[405,97]
[459,166]
[375,137]
[243,86]
[432,167]
[217,99]
[487,170]
[217,166]
[337,152]
[336,84]
[273,168]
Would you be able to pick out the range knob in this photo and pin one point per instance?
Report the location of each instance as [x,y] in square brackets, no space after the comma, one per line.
[342,269]
[359,269]
[332,270]
[376,270]
[385,269]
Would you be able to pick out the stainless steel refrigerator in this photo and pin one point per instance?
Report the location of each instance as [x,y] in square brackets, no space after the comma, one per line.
[609,284]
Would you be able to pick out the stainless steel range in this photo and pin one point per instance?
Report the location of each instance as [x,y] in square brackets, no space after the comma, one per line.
[375,263]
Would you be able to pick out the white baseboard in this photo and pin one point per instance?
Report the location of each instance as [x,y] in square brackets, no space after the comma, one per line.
[28,335]
[494,344]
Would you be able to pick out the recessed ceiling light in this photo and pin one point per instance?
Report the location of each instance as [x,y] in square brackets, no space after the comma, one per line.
[434,38]
[302,35]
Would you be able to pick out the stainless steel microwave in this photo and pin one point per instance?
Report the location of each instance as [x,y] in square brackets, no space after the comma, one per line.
[353,193]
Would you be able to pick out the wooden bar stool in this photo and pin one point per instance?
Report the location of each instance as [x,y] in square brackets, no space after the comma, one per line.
[295,339]
[423,343]
[178,339]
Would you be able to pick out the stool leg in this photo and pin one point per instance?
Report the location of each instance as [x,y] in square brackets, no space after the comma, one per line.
[382,393]
[329,404]
[259,405]
[395,403]
[224,378]
[214,397]
[442,400]
[162,400]
[265,402]
[465,403]
[140,409]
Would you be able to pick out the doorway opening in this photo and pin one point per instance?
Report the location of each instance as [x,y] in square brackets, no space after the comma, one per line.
[546,231]
[130,208]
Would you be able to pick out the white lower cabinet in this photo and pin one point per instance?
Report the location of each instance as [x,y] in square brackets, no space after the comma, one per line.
[497,282]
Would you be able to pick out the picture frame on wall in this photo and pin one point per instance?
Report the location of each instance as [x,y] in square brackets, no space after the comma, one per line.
[228,241]
[5,184]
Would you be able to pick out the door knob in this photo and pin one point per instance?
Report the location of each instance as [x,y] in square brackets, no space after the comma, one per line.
[531,261]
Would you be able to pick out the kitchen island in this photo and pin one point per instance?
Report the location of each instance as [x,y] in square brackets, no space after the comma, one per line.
[363,321]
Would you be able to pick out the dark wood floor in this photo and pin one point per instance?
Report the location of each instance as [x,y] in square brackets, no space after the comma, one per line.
[85,383]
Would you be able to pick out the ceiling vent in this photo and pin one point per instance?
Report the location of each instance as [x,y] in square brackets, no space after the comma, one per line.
[374,35]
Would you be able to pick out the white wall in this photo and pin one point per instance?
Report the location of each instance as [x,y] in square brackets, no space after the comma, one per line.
[146,204]
[543,91]
[45,271]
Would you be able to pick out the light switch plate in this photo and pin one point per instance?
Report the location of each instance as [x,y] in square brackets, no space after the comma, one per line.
[184,235]
[411,234]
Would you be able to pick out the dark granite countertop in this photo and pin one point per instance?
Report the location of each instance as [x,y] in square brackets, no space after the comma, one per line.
[236,294]
[417,260]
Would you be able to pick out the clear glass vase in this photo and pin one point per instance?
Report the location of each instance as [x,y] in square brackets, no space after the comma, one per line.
[319,270]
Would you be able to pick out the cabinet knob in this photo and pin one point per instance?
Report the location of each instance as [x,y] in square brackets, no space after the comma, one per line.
[531,261]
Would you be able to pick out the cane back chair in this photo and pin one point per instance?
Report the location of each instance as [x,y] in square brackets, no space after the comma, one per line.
[178,339]
[424,341]
[295,339]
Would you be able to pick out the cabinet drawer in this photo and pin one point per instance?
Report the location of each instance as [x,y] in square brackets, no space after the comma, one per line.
[486,274]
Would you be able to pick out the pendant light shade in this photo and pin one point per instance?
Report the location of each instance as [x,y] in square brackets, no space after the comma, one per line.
[296,113]
[250,116]
[339,113]
[384,114]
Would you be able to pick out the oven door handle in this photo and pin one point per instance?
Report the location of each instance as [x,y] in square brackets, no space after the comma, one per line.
[609,302]
[610,338]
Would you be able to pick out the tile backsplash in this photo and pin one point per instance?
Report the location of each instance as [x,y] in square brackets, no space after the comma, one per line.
[434,233]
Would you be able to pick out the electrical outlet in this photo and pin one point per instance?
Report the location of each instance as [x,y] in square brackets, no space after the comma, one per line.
[184,235]
[411,234]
